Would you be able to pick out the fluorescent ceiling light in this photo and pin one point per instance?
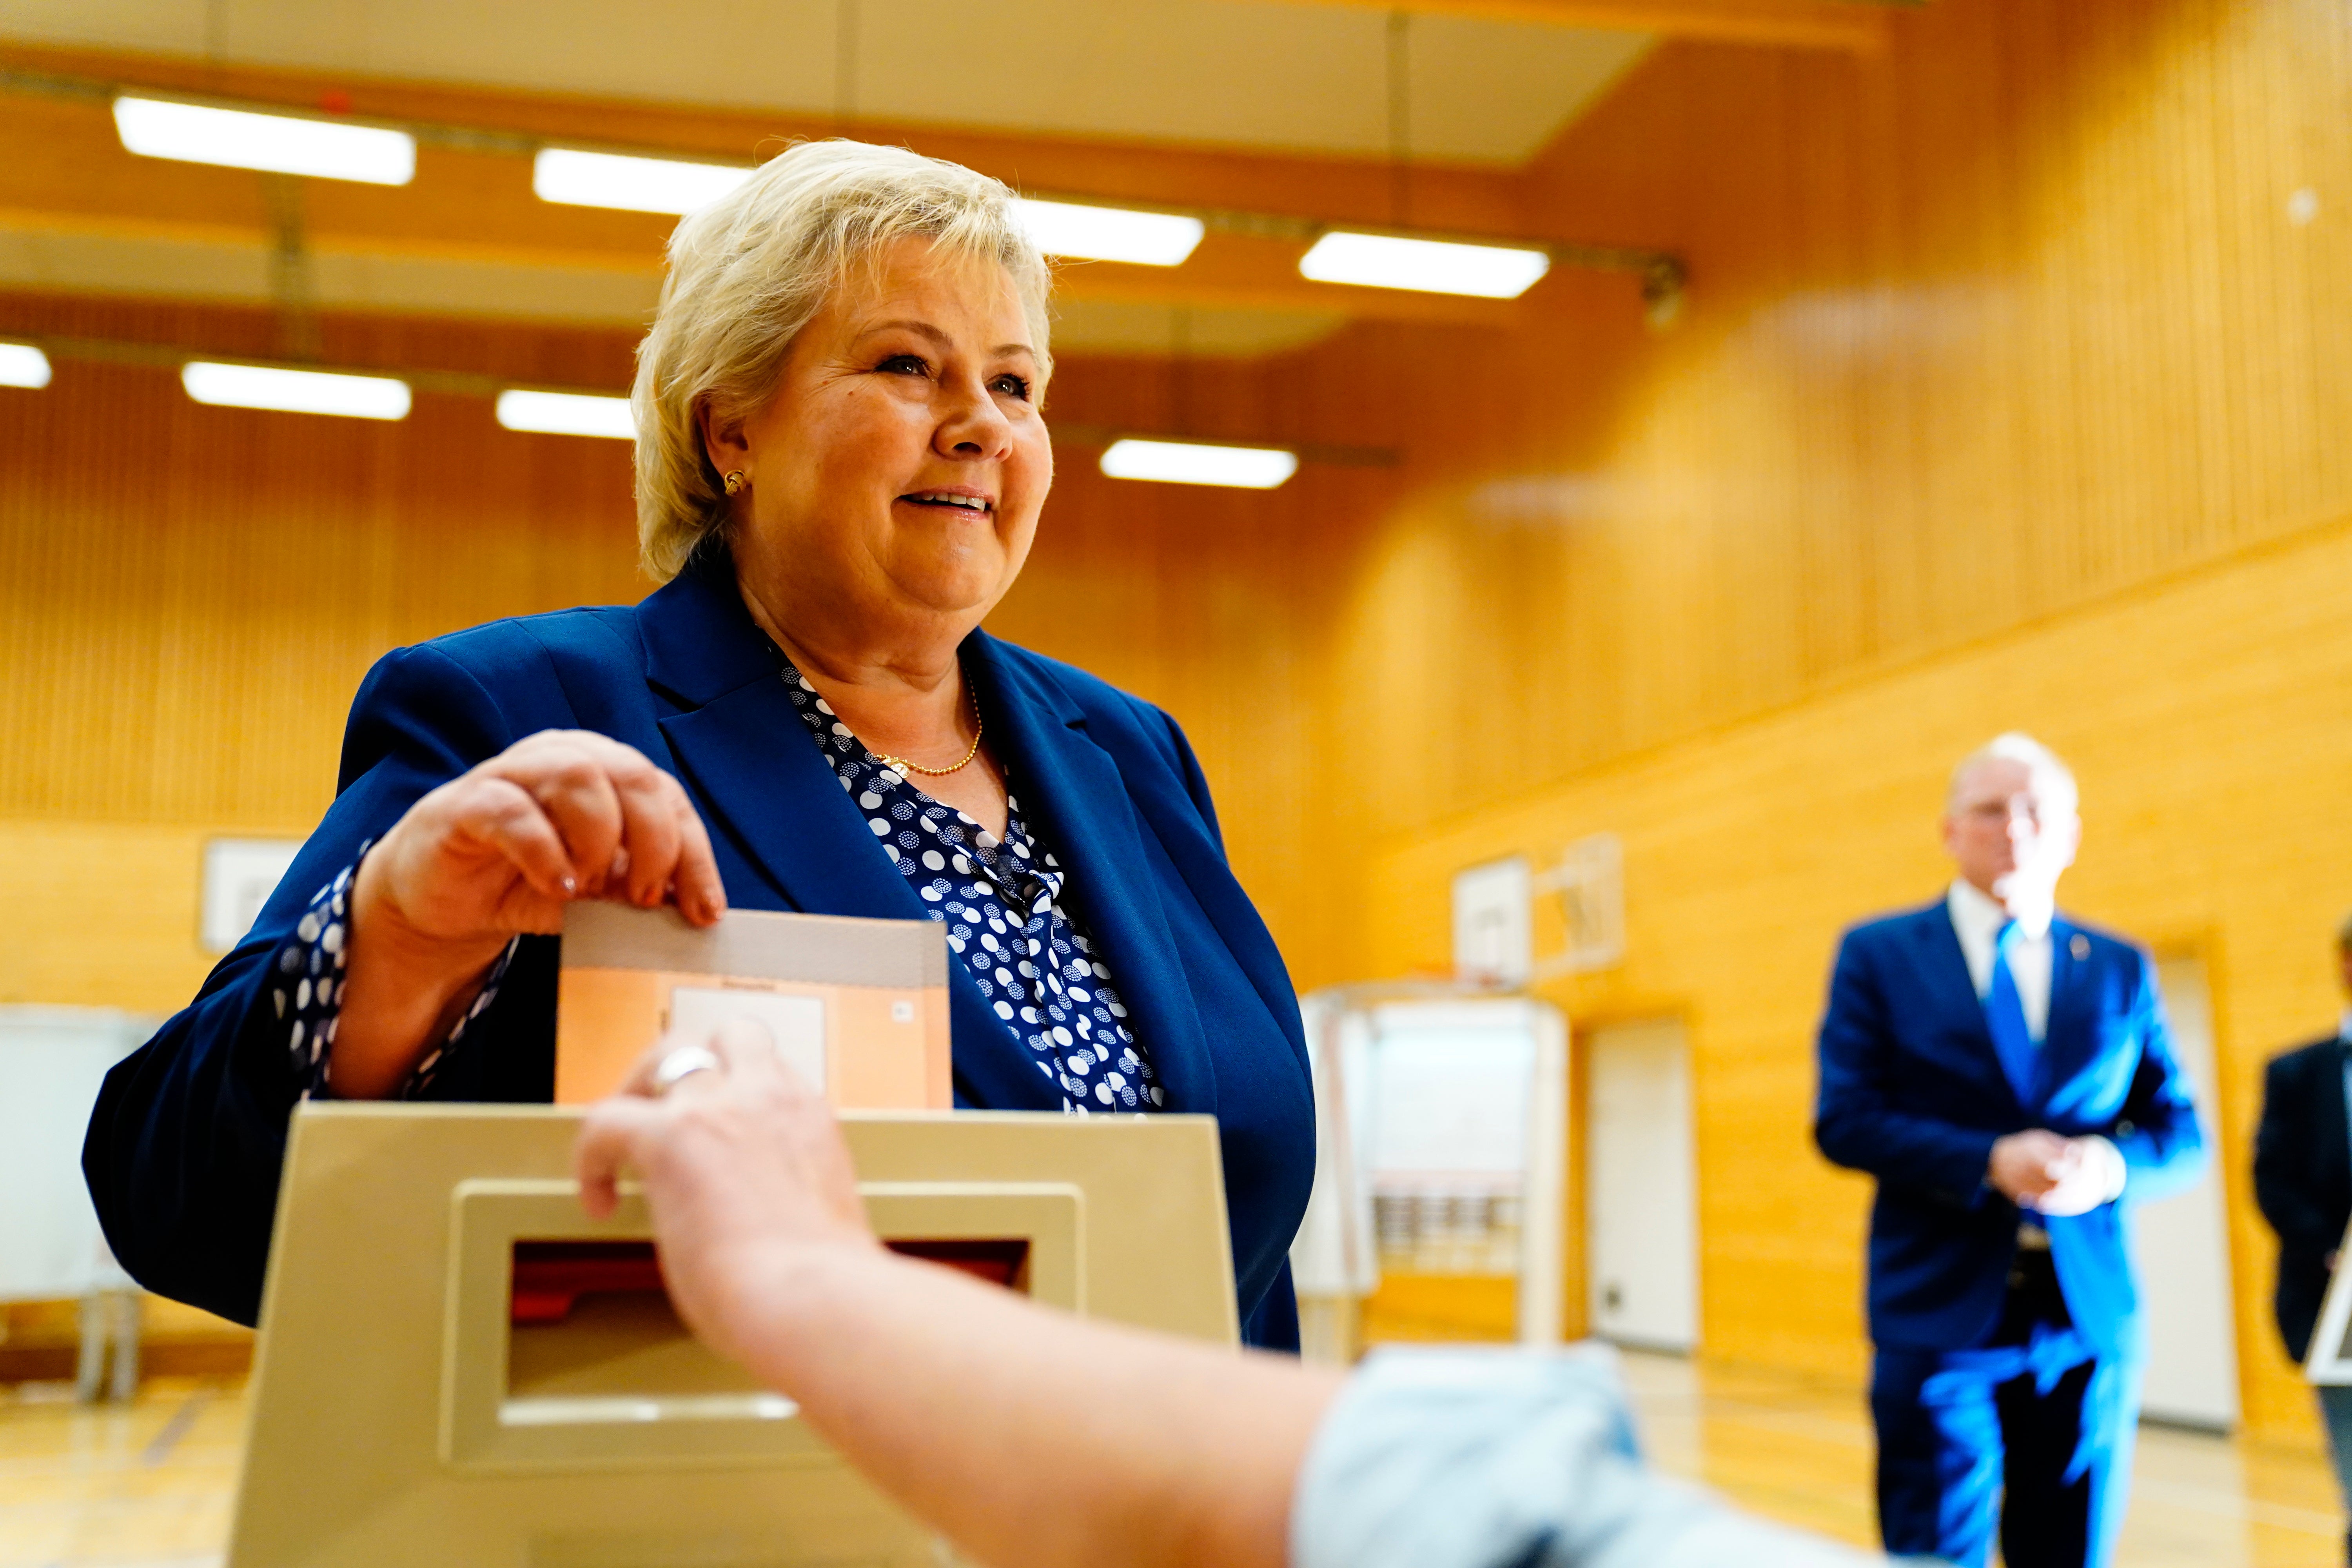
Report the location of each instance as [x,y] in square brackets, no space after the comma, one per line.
[567,414]
[22,364]
[633,184]
[296,391]
[282,143]
[1110,233]
[1193,463]
[1431,265]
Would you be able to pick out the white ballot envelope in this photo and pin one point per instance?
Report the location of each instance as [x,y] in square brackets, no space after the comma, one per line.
[2329,1359]
[858,1007]
[458,1368]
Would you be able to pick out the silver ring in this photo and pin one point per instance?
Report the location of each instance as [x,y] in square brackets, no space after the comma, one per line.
[682,1064]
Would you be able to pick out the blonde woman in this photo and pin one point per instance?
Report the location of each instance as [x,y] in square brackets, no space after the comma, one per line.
[842,457]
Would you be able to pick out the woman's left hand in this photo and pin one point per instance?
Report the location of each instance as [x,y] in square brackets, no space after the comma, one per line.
[744,1169]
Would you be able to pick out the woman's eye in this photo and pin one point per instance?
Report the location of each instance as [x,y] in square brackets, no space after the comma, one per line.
[1014,387]
[904,364]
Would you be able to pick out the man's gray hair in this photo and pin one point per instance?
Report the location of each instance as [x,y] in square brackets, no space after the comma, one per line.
[2016,746]
[750,271]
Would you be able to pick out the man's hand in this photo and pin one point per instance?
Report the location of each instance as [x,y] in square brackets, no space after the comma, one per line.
[2096,1176]
[2041,1169]
[745,1171]
[2027,1165]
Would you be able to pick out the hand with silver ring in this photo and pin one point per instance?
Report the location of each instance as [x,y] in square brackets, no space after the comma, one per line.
[746,1175]
[681,1063]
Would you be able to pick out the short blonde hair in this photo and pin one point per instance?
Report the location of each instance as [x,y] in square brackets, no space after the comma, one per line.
[2017,746]
[750,271]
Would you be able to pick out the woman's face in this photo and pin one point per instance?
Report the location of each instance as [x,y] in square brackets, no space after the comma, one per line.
[899,469]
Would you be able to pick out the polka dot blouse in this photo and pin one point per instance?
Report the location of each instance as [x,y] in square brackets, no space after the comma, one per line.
[308,992]
[999,897]
[1000,901]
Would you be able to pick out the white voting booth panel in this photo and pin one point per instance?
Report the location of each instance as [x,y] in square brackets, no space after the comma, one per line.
[50,1249]
[50,1246]
[1440,1148]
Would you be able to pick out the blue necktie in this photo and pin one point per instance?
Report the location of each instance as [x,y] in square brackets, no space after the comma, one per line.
[2005,1019]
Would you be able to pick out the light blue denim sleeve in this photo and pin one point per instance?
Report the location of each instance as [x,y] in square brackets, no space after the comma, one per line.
[1491,1458]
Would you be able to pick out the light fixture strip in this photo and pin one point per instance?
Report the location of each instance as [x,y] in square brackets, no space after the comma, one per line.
[1199,463]
[1424,266]
[1110,233]
[22,364]
[576,177]
[274,144]
[566,414]
[279,390]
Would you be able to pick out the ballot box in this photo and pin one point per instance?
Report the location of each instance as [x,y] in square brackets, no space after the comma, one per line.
[459,1367]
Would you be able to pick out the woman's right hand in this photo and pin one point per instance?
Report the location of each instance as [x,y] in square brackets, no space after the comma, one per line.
[494,853]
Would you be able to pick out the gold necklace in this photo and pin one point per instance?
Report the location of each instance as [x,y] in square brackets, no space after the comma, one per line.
[978,727]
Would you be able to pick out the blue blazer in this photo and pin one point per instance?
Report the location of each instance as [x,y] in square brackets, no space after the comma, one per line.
[1912,1092]
[184,1147]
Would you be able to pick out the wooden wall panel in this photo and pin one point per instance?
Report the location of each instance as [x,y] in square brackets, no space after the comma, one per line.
[2010,391]
[2211,766]
[189,596]
[2009,319]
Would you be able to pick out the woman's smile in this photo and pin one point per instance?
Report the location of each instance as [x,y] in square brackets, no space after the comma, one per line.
[955,498]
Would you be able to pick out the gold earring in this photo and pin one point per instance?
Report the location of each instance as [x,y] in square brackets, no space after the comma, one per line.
[735,479]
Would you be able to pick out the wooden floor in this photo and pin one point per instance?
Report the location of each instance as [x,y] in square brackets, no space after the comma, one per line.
[147,1486]
[1801,1452]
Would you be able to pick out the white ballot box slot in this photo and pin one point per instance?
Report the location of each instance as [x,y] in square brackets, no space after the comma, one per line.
[563,1348]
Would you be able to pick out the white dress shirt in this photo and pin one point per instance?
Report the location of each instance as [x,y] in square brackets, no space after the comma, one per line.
[1977,920]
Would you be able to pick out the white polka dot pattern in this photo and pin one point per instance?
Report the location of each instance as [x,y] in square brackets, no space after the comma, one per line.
[1042,975]
[306,993]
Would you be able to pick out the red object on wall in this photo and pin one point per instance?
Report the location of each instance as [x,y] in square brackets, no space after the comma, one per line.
[550,1277]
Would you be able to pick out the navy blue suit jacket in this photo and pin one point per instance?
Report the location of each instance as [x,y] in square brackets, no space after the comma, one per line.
[184,1147]
[2303,1179]
[1912,1092]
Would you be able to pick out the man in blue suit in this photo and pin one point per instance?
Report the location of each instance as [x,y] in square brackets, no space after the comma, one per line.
[2007,1076]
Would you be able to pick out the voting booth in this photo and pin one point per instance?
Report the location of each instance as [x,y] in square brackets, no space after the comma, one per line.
[459,1367]
[1442,1149]
[50,1245]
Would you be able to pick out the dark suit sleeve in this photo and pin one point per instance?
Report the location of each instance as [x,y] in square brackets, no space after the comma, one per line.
[2158,1133]
[1196,782]
[184,1144]
[2281,1187]
[1856,1121]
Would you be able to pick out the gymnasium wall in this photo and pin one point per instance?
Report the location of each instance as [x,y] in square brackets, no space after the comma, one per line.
[2008,391]
[2012,392]
[189,597]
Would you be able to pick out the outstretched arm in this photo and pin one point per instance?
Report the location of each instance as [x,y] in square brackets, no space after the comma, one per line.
[1026,1436]
[1031,1437]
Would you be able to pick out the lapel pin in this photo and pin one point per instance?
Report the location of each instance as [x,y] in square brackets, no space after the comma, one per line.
[2080,947]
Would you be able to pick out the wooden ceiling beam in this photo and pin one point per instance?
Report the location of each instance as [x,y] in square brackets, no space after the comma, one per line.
[469,207]
[1333,188]
[1857,27]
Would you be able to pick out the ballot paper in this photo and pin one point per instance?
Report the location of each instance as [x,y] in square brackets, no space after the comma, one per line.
[857,1007]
